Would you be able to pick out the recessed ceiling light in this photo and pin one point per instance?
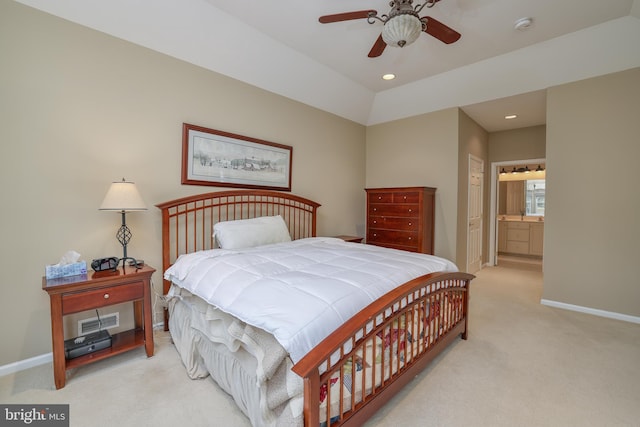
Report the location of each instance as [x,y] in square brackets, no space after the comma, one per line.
[510,116]
[389,76]
[522,24]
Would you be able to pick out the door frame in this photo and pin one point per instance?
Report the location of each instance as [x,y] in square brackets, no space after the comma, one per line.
[493,204]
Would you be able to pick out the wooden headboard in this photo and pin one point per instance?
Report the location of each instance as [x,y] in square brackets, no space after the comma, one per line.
[187,223]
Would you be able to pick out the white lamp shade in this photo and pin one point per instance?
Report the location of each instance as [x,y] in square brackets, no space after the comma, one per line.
[123,196]
[401,30]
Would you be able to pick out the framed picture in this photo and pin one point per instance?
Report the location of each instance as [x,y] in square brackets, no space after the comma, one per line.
[217,158]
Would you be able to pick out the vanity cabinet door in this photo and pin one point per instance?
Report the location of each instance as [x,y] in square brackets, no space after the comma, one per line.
[536,239]
[502,236]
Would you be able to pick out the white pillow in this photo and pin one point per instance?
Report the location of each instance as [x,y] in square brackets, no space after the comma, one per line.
[247,233]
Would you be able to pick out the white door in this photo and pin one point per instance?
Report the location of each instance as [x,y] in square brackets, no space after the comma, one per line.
[474,233]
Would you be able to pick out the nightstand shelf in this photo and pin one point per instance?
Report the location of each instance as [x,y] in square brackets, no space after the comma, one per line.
[74,294]
[120,343]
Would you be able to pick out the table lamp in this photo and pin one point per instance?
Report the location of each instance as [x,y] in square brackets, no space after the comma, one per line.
[123,196]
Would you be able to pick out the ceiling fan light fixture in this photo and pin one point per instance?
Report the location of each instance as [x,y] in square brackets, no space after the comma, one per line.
[388,76]
[401,30]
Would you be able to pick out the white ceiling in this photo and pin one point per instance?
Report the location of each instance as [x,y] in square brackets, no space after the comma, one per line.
[280,46]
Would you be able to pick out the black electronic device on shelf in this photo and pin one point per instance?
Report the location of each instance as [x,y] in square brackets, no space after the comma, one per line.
[86,344]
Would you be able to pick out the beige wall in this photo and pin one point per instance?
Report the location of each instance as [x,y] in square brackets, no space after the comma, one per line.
[420,151]
[592,198]
[81,109]
[518,144]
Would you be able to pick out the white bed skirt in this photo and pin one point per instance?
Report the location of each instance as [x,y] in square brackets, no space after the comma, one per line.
[262,385]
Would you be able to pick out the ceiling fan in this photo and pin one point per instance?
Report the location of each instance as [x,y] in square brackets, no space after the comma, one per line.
[402,25]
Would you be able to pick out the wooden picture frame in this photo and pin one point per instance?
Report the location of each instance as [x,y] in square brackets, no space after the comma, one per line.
[217,158]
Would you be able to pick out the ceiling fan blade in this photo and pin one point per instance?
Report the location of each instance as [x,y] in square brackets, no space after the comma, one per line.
[440,31]
[378,48]
[347,16]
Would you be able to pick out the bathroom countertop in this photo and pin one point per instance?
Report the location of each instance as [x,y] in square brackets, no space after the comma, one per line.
[516,218]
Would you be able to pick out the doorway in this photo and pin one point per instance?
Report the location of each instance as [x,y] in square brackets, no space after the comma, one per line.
[520,220]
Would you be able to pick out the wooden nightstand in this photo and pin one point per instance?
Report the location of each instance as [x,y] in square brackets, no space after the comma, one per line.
[354,239]
[95,290]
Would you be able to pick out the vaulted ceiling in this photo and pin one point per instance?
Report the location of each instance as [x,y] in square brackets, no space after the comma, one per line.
[493,70]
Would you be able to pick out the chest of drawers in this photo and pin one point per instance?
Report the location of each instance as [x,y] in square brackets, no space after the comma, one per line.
[401,218]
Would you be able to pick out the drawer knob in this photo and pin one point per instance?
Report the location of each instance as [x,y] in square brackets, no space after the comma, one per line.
[375,209]
[375,235]
[375,221]
[106,296]
[410,238]
[379,197]
[410,210]
[410,223]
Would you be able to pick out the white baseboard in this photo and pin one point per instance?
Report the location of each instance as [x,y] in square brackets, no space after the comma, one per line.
[594,311]
[21,365]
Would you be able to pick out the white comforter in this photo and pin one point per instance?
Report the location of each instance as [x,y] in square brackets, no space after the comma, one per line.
[299,291]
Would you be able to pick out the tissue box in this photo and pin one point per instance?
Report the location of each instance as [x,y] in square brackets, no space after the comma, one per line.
[55,271]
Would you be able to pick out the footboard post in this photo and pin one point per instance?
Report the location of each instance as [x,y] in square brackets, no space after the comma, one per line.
[465,302]
[311,408]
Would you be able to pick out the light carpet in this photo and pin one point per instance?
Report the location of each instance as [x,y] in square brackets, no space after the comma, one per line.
[524,364]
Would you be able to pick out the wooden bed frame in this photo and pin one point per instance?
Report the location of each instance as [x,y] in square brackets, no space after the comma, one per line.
[438,301]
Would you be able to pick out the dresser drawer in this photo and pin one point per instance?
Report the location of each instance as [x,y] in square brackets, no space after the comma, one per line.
[518,247]
[413,248]
[403,238]
[518,235]
[73,303]
[394,223]
[395,197]
[403,210]
[406,197]
[518,225]
[380,197]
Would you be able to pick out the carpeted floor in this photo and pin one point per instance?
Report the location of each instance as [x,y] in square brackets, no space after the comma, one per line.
[524,364]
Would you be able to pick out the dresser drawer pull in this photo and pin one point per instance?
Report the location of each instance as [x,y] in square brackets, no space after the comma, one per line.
[106,296]
[410,223]
[375,209]
[410,210]
[410,238]
[375,235]
[379,197]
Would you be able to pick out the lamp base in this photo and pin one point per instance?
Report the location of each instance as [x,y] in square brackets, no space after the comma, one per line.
[132,262]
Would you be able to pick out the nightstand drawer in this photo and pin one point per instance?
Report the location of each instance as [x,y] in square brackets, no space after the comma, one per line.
[73,303]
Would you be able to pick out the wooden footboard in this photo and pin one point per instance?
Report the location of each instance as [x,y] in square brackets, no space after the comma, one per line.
[382,348]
